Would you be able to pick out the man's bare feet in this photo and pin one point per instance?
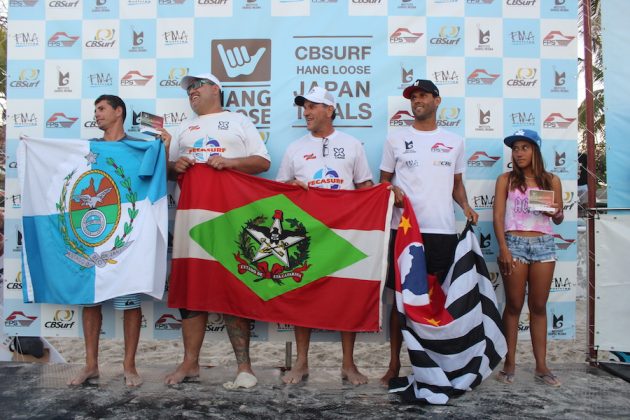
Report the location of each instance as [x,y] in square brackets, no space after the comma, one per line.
[132,378]
[83,376]
[181,373]
[389,375]
[353,375]
[296,375]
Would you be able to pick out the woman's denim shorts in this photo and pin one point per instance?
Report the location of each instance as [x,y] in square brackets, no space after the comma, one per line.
[528,249]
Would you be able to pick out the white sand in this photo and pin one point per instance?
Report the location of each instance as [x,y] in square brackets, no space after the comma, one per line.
[269,354]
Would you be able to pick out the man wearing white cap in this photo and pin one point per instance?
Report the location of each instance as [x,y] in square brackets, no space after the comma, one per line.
[427,163]
[324,158]
[222,140]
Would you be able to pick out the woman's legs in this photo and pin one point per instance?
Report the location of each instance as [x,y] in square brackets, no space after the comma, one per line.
[540,277]
[514,286]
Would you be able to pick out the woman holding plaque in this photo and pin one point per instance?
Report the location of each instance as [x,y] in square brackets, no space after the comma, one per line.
[527,200]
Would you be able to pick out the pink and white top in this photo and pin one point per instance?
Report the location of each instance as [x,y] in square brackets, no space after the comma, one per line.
[519,217]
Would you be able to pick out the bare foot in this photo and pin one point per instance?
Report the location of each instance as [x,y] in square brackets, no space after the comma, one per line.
[389,375]
[85,374]
[132,379]
[354,376]
[181,373]
[296,375]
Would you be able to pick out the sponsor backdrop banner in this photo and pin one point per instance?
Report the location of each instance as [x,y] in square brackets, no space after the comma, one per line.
[500,65]
[615,47]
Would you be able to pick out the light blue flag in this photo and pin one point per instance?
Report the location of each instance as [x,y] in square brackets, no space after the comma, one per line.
[95,222]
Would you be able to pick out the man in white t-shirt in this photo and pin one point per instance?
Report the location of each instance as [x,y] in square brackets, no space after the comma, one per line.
[426,163]
[222,140]
[324,158]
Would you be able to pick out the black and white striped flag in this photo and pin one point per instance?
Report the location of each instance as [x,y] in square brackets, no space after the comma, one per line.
[453,332]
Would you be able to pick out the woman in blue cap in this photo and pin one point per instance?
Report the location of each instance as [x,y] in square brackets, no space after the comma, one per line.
[527,254]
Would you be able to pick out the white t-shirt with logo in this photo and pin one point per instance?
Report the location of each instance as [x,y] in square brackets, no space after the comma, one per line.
[344,165]
[228,134]
[424,164]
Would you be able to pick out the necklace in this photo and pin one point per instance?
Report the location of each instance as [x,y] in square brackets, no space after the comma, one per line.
[529,177]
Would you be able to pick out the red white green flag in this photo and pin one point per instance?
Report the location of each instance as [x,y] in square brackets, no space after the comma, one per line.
[273,252]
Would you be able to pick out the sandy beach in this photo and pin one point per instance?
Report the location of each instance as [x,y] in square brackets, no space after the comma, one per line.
[328,355]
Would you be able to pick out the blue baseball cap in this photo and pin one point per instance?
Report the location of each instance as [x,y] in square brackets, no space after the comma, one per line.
[523,134]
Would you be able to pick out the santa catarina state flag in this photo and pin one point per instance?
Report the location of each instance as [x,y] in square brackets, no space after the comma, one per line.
[274,252]
[95,220]
[452,330]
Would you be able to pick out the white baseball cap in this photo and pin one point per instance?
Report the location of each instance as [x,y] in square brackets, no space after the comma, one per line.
[316,95]
[188,80]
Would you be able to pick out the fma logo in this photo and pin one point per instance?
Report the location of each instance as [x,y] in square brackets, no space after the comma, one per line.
[135,78]
[100,79]
[62,40]
[557,39]
[175,76]
[446,77]
[27,78]
[172,119]
[522,38]
[168,322]
[26,39]
[481,159]
[483,202]
[561,284]
[558,321]
[62,319]
[401,119]
[404,36]
[481,77]
[525,77]
[556,120]
[19,319]
[523,119]
[24,119]
[60,120]
[241,60]
[448,35]
[449,117]
[175,37]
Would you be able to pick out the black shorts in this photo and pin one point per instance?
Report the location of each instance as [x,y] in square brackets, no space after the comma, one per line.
[439,252]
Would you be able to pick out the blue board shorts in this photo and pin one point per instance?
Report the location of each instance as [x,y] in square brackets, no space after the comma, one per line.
[529,249]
